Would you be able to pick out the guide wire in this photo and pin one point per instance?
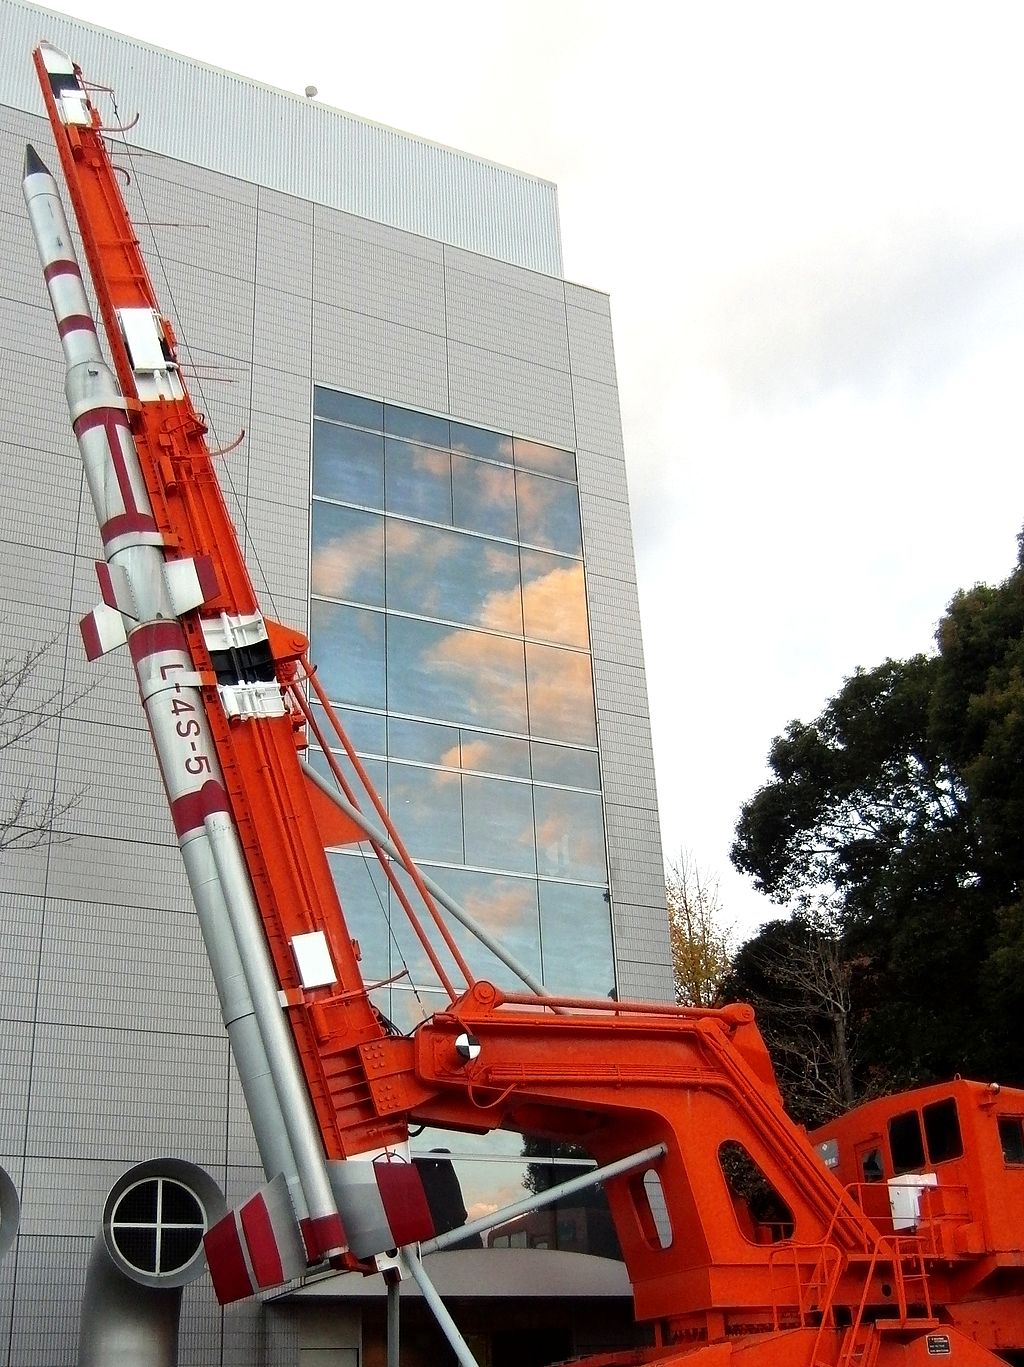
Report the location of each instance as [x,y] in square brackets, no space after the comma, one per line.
[196,379]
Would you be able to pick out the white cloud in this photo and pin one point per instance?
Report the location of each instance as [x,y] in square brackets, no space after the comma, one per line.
[809,218]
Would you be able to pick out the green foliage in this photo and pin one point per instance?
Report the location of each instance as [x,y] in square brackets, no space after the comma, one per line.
[899,813]
[853,793]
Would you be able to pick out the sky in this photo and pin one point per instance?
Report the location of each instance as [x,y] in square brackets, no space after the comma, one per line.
[810,220]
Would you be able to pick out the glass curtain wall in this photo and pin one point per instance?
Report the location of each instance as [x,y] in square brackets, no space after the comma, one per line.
[449,625]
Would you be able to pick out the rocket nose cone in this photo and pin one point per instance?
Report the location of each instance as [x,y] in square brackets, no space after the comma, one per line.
[34,164]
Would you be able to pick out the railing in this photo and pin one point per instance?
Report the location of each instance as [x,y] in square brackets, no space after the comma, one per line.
[941,1209]
[809,1295]
[813,1271]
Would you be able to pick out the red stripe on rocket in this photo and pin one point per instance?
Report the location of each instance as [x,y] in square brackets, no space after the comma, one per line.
[256,1246]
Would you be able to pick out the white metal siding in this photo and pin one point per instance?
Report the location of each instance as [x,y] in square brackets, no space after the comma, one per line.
[291,144]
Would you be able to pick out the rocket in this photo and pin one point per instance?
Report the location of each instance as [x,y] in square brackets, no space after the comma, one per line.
[144,594]
[211,673]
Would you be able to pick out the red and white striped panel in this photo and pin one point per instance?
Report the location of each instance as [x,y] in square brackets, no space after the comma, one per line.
[256,1246]
[382,1202]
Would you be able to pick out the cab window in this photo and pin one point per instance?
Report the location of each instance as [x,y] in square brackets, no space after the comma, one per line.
[871,1169]
[1011,1137]
[906,1143]
[942,1131]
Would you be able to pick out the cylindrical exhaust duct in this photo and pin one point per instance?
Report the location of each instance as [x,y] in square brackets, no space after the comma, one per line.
[10,1212]
[149,1247]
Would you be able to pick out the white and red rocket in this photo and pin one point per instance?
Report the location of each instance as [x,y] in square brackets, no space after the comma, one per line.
[218,683]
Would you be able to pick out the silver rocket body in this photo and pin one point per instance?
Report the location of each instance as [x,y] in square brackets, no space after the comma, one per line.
[144,594]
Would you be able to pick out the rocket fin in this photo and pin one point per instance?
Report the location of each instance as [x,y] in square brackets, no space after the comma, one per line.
[383,1204]
[191,582]
[256,1246]
[116,589]
[102,630]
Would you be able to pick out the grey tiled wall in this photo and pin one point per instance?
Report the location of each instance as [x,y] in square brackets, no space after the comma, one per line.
[111,1048]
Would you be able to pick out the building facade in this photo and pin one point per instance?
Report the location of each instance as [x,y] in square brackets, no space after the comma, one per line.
[432,483]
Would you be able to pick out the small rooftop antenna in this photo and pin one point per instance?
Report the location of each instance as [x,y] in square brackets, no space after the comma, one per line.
[311,92]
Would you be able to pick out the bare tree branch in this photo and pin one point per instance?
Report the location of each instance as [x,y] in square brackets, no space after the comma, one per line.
[28,817]
[806,1015]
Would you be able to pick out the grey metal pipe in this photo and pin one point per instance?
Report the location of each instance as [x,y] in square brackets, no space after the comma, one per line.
[238,1014]
[124,1324]
[282,1058]
[545,1198]
[445,1322]
[394,1322]
[436,891]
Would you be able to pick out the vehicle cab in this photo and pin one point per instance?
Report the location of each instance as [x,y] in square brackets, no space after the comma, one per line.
[945,1162]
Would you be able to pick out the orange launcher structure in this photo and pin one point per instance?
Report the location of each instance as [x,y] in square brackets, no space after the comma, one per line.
[743,1243]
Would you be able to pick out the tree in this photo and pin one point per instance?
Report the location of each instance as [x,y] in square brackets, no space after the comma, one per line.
[27,703]
[899,813]
[700,944]
[798,979]
[858,795]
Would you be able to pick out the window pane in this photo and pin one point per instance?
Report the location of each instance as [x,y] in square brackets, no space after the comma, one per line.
[656,1215]
[364,729]
[570,834]
[495,754]
[418,481]
[483,497]
[549,460]
[328,403]
[348,646]
[347,553]
[487,1186]
[499,824]
[406,422]
[407,951]
[942,1131]
[496,1144]
[1011,1138]
[406,1008]
[477,441]
[435,744]
[561,694]
[423,741]
[576,936]
[348,465]
[577,1223]
[905,1143]
[507,908]
[375,770]
[560,764]
[554,599]
[549,513]
[871,1166]
[363,889]
[456,675]
[446,574]
[426,807]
